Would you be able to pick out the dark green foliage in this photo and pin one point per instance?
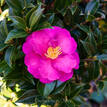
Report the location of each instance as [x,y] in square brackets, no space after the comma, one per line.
[87,23]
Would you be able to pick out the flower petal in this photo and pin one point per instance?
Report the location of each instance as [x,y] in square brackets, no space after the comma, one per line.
[44,80]
[66,62]
[40,68]
[32,59]
[27,47]
[34,72]
[47,71]
[40,41]
[77,59]
[65,41]
[65,76]
[32,63]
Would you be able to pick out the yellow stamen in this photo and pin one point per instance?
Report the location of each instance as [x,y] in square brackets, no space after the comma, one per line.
[53,53]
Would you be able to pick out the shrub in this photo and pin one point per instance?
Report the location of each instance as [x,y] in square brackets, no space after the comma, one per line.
[86,20]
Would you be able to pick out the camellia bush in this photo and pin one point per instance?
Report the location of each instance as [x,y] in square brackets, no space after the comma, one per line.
[53,53]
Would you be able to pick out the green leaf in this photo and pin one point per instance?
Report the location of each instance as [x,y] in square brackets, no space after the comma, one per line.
[44,25]
[104,91]
[18,22]
[90,18]
[96,70]
[60,4]
[15,4]
[76,91]
[76,102]
[98,34]
[28,77]
[3,46]
[40,88]
[4,67]
[3,28]
[14,76]
[93,42]
[68,103]
[13,34]
[84,28]
[90,44]
[49,88]
[28,97]
[102,57]
[86,47]
[97,96]
[27,17]
[93,70]
[51,18]
[100,85]
[2,2]
[92,7]
[59,87]
[73,9]
[9,55]
[36,15]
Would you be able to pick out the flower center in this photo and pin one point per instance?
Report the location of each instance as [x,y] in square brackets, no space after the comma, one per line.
[53,53]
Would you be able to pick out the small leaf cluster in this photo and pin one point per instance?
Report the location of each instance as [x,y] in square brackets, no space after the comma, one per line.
[87,22]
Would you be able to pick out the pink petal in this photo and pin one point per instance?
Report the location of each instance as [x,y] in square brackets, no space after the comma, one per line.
[66,62]
[40,41]
[44,80]
[34,72]
[47,71]
[31,59]
[65,76]
[27,47]
[78,60]
[40,68]
[32,63]
[65,41]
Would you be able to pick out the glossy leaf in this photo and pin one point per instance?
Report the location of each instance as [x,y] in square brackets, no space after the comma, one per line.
[9,55]
[84,28]
[15,34]
[4,68]
[102,57]
[28,97]
[3,28]
[15,4]
[92,7]
[27,17]
[59,87]
[97,96]
[49,88]
[3,46]
[18,22]
[36,15]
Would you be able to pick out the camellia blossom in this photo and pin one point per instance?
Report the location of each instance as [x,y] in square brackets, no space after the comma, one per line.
[50,54]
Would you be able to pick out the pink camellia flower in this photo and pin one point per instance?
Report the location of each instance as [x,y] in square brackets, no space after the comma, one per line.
[50,54]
